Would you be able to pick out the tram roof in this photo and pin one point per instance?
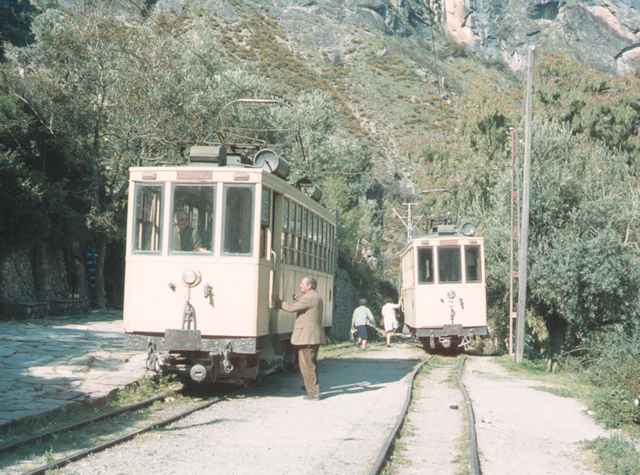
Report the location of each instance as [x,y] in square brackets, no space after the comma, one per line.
[438,237]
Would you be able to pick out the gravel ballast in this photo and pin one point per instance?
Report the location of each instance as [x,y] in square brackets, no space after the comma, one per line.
[273,430]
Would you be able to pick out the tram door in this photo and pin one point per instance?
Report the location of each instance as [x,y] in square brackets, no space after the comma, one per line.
[271,239]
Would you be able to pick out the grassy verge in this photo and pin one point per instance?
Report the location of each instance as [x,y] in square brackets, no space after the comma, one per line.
[616,455]
[563,384]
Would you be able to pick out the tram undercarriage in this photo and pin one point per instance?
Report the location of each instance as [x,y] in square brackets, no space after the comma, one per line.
[194,359]
[449,338]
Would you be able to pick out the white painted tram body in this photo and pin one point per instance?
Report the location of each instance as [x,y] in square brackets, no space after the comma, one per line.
[204,293]
[443,288]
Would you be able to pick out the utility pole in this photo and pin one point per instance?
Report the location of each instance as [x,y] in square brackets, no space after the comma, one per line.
[514,233]
[524,224]
[408,222]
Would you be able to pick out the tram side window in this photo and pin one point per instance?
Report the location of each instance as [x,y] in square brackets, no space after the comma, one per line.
[297,225]
[238,219]
[265,222]
[332,249]
[148,218]
[449,264]
[193,211]
[305,238]
[285,231]
[312,241]
[317,246]
[473,268]
[425,265]
[323,243]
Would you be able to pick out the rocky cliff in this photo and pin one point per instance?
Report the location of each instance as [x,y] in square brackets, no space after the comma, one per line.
[601,33]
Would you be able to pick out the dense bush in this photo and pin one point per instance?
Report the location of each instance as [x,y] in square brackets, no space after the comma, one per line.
[613,367]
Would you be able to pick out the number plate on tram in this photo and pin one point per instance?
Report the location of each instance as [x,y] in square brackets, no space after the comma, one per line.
[183,340]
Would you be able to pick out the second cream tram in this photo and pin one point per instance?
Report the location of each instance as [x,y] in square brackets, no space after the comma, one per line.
[210,247]
[443,289]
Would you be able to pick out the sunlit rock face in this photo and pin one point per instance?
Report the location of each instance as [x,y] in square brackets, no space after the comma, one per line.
[602,33]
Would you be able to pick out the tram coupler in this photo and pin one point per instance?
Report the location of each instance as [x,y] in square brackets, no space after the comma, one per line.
[227,366]
[445,341]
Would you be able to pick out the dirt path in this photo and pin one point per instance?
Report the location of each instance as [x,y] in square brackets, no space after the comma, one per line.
[272,430]
[523,429]
[433,435]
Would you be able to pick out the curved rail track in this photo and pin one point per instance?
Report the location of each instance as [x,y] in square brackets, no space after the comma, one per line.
[52,434]
[387,448]
[124,438]
[86,422]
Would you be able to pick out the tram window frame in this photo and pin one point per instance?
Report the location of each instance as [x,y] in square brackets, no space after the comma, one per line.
[329,249]
[314,238]
[478,261]
[305,238]
[298,239]
[265,221]
[313,248]
[409,268]
[430,278]
[442,249]
[225,218]
[316,242]
[201,232]
[310,241]
[322,246]
[332,246]
[292,233]
[284,242]
[156,227]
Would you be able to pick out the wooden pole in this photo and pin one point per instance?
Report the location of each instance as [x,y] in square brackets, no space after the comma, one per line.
[513,203]
[524,224]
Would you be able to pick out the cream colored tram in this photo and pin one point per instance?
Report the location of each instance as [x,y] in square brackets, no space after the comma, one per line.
[443,288]
[209,248]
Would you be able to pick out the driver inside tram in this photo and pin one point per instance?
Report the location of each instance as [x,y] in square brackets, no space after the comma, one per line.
[185,237]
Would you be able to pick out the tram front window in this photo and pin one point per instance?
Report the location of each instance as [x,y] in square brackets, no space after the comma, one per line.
[472,263]
[193,218]
[425,265]
[238,219]
[148,218]
[449,264]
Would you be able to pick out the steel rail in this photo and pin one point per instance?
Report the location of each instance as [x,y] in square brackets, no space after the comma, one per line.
[383,455]
[98,448]
[474,457]
[75,425]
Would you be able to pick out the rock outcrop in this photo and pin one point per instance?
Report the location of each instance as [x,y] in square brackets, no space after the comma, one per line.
[601,33]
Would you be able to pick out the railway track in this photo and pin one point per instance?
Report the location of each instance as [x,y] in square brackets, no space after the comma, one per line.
[387,449]
[40,440]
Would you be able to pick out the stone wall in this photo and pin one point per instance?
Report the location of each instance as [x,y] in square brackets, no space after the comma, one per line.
[16,277]
[33,282]
[345,299]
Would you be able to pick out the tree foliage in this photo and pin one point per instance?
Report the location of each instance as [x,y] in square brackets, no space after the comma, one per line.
[102,89]
[584,200]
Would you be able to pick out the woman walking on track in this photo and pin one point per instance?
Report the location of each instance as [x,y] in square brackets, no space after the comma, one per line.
[361,319]
[389,318]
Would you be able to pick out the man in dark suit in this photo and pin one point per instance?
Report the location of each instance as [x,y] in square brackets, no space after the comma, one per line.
[308,333]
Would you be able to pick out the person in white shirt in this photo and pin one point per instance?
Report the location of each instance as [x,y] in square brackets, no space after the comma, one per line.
[362,318]
[389,318]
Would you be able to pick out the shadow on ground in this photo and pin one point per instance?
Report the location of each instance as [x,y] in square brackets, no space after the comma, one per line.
[339,376]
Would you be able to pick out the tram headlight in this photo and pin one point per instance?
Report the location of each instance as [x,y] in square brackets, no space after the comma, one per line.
[191,278]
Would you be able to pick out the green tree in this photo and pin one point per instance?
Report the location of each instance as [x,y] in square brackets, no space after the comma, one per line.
[15,23]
